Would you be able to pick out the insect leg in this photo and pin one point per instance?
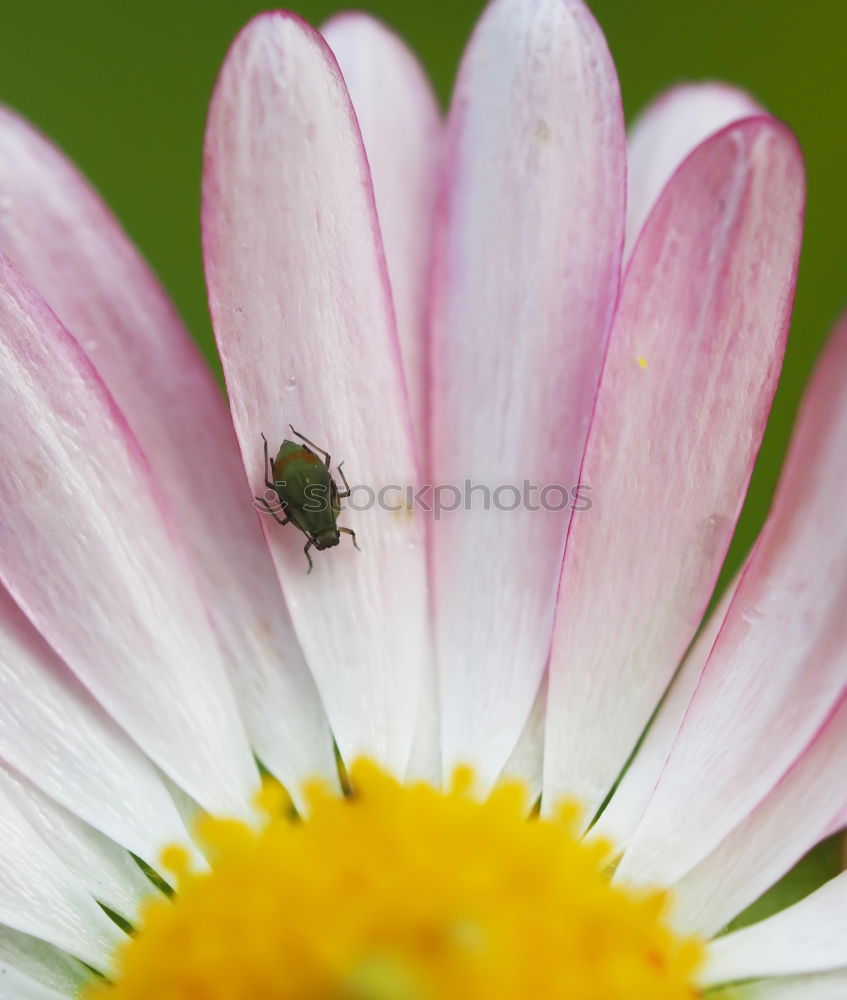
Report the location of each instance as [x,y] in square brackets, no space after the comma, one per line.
[307,546]
[346,492]
[268,462]
[271,511]
[352,534]
[312,444]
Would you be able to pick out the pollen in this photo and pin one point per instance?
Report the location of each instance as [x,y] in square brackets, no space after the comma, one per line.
[642,361]
[403,892]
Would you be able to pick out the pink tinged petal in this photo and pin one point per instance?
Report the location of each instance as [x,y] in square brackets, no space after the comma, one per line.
[401,130]
[526,278]
[302,311]
[64,239]
[779,665]
[666,133]
[39,896]
[89,558]
[781,829]
[41,964]
[687,386]
[629,800]
[106,870]
[17,985]
[810,936]
[53,732]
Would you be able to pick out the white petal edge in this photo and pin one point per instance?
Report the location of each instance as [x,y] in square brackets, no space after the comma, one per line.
[300,299]
[810,936]
[664,134]
[827,986]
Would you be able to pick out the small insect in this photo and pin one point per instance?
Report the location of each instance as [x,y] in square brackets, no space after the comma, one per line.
[307,492]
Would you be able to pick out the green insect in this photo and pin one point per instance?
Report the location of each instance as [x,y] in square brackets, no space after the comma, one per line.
[307,492]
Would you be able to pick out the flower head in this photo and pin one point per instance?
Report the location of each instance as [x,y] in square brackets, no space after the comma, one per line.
[486,307]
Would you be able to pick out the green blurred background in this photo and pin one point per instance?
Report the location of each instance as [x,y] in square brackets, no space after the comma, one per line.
[123,87]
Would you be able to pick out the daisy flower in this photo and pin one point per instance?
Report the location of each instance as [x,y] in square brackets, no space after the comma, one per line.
[516,761]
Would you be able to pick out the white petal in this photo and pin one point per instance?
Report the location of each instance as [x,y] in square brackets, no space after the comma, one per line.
[629,800]
[827,986]
[810,936]
[779,665]
[526,277]
[401,130]
[526,761]
[53,732]
[17,985]
[40,962]
[86,551]
[39,896]
[666,132]
[302,312]
[797,814]
[64,239]
[106,870]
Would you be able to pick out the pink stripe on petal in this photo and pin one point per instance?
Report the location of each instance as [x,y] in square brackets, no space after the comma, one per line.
[810,936]
[53,732]
[527,273]
[666,132]
[781,829]
[59,233]
[401,130]
[688,382]
[302,312]
[86,553]
[780,662]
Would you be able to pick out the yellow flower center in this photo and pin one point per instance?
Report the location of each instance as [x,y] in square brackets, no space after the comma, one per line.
[403,892]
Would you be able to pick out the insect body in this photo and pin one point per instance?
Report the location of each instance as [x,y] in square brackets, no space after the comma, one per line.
[307,492]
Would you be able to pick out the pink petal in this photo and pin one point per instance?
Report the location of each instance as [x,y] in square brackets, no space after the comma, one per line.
[401,130]
[302,312]
[692,366]
[810,936]
[39,896]
[526,279]
[629,800]
[64,239]
[666,132]
[86,553]
[778,832]
[53,732]
[779,664]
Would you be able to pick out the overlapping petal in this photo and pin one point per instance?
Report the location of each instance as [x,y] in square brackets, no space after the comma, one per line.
[687,385]
[302,312]
[87,554]
[39,963]
[526,277]
[401,130]
[779,665]
[666,132]
[59,233]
